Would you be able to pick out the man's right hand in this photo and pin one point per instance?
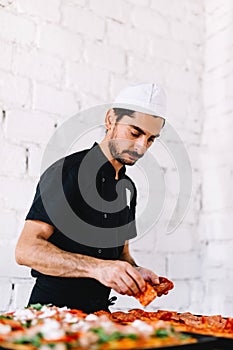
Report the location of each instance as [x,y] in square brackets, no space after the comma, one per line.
[120,276]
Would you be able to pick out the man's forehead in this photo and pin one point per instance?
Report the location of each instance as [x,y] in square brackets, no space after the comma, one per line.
[146,122]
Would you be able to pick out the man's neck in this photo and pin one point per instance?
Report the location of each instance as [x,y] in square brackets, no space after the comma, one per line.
[117,165]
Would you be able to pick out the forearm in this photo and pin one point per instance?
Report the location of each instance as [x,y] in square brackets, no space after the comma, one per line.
[48,259]
[34,250]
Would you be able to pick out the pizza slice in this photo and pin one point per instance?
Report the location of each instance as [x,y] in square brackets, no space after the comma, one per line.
[146,297]
[154,290]
[164,286]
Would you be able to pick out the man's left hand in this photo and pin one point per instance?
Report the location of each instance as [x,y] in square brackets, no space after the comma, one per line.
[148,275]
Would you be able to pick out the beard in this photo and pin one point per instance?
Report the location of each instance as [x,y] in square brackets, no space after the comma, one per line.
[120,156]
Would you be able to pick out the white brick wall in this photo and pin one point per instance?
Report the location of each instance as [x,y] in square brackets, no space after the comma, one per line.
[217,205]
[60,56]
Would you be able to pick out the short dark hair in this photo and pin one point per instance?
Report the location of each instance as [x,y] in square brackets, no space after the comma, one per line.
[121,112]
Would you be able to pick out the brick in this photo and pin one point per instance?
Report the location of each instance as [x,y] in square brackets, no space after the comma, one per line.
[163,156]
[87,100]
[219,253]
[155,261]
[140,69]
[186,32]
[14,90]
[218,23]
[12,159]
[190,80]
[54,101]
[79,3]
[118,10]
[17,28]
[143,3]
[163,47]
[11,269]
[227,305]
[216,7]
[170,9]
[212,160]
[6,55]
[5,294]
[197,7]
[81,76]
[36,64]
[197,294]
[217,294]
[8,224]
[29,126]
[117,82]
[185,265]
[223,136]
[22,291]
[17,193]
[194,154]
[8,4]
[60,42]
[35,155]
[221,40]
[89,135]
[171,178]
[194,53]
[216,195]
[40,9]
[143,243]
[101,55]
[177,299]
[117,34]
[79,19]
[127,38]
[190,135]
[181,240]
[215,93]
[152,23]
[212,272]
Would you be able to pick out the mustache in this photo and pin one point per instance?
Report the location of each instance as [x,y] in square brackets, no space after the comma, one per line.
[134,154]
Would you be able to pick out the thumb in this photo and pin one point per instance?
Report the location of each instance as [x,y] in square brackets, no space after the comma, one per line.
[154,278]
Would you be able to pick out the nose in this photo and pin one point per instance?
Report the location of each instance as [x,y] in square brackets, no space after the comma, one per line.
[140,145]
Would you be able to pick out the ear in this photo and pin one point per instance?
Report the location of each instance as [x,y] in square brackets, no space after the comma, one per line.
[110,119]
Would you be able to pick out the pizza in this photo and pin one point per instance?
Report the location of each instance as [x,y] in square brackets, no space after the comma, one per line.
[154,290]
[215,325]
[50,327]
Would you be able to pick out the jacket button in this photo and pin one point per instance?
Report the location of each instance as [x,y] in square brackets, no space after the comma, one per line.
[105,215]
[103,179]
[100,251]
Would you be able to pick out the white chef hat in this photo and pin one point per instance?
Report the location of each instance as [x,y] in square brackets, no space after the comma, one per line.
[147,98]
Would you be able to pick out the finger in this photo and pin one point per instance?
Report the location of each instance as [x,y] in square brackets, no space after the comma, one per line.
[119,287]
[154,278]
[138,279]
[130,284]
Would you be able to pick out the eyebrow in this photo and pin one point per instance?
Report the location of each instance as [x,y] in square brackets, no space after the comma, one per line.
[142,132]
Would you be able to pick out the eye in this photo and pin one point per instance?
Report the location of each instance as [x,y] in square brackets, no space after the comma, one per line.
[134,134]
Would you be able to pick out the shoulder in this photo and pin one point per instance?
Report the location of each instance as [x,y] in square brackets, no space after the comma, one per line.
[66,165]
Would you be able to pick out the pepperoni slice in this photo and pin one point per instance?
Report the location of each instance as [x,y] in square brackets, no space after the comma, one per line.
[147,296]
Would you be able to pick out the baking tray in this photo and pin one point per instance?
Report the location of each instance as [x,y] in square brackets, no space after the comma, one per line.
[204,342]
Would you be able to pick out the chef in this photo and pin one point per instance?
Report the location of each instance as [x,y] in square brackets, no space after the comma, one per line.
[79,270]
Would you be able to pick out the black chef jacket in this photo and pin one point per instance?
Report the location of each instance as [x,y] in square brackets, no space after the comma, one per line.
[82,293]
